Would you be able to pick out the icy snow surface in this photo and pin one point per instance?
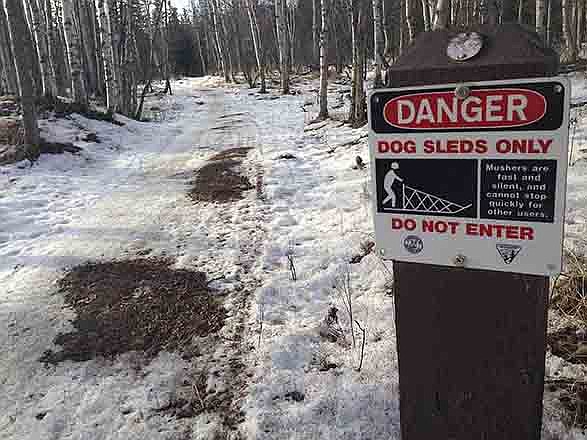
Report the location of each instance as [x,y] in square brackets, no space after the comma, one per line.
[128,194]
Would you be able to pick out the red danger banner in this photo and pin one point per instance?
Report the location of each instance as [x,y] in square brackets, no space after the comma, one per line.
[488,108]
[525,107]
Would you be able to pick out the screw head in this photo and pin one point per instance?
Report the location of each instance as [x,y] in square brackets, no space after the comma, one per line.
[558,88]
[382,251]
[459,260]
[462,92]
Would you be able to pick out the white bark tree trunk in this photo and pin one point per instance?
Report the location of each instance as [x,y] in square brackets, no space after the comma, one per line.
[109,70]
[569,54]
[323,94]
[86,13]
[280,21]
[426,15]
[356,116]
[6,53]
[442,14]
[73,51]
[378,41]
[315,30]
[410,20]
[220,42]
[252,11]
[540,16]
[22,44]
[48,81]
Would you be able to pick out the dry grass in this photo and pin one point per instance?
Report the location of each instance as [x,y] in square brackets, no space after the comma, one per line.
[11,132]
[569,297]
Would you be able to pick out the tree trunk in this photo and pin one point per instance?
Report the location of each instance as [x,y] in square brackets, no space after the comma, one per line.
[87,14]
[387,35]
[110,79]
[235,32]
[426,15]
[291,32]
[540,15]
[442,14]
[521,12]
[6,54]
[489,13]
[221,42]
[22,44]
[201,53]
[508,11]
[48,81]
[569,53]
[410,20]
[280,21]
[323,94]
[580,23]
[315,30]
[378,42]
[252,11]
[357,114]
[73,51]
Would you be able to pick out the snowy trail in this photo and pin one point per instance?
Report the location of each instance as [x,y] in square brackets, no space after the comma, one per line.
[110,204]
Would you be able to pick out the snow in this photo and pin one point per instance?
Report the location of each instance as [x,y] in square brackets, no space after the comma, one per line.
[128,193]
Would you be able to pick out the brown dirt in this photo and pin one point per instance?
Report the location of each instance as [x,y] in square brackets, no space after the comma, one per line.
[219,179]
[137,305]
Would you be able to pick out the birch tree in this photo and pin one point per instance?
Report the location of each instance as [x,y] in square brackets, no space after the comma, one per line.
[281,27]
[316,12]
[105,32]
[569,53]
[540,18]
[410,20]
[442,14]
[357,110]
[254,25]
[220,41]
[48,81]
[6,54]
[21,42]
[323,94]
[73,53]
[378,41]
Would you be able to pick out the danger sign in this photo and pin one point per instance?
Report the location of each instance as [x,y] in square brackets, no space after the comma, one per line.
[473,174]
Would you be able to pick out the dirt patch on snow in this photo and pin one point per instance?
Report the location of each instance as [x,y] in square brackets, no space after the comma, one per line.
[220,179]
[139,305]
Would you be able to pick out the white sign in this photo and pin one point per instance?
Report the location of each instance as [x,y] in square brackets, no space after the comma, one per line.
[472,175]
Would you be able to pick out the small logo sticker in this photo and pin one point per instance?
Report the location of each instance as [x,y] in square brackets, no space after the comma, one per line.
[508,252]
[413,244]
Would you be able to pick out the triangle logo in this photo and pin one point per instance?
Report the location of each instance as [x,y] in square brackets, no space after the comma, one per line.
[508,252]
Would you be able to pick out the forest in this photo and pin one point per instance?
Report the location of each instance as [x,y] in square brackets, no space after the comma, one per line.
[109,52]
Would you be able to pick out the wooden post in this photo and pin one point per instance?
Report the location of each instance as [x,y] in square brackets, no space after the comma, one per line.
[471,343]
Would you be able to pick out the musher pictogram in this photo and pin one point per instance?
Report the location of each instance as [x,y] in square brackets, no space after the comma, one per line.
[413,199]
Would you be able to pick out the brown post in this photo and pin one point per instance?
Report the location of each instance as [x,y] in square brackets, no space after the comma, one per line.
[471,343]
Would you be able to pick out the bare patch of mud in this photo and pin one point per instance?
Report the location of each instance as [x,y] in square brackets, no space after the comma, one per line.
[220,179]
[140,305]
